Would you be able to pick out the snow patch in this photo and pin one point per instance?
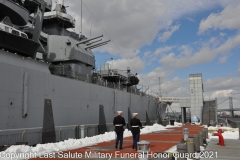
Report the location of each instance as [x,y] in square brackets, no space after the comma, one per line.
[177,124]
[70,144]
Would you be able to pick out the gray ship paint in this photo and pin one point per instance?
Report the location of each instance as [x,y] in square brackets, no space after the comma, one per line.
[74,102]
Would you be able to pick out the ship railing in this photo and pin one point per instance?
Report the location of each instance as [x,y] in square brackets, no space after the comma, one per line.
[14,136]
[137,89]
[33,136]
[132,89]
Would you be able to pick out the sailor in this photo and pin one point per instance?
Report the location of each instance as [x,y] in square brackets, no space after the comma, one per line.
[119,122]
[136,125]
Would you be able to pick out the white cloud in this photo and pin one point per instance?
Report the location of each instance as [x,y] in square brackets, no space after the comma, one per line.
[132,24]
[162,50]
[166,35]
[129,24]
[222,34]
[207,53]
[186,50]
[190,19]
[174,88]
[135,64]
[221,93]
[152,78]
[227,19]
[146,54]
[222,89]
[223,59]
[149,58]
[220,84]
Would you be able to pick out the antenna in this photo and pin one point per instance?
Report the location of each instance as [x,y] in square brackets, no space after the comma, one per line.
[81,17]
[160,87]
[90,30]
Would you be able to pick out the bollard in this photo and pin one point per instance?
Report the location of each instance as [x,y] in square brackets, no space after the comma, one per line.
[206,129]
[182,150]
[239,133]
[190,146]
[185,133]
[143,148]
[200,138]
[196,143]
[82,127]
[204,136]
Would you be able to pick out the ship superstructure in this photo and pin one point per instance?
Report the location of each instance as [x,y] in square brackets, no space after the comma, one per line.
[69,53]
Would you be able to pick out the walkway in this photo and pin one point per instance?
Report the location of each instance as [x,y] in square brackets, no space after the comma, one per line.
[159,142]
[228,152]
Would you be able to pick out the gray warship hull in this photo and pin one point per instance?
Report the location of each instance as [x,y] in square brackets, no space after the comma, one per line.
[26,83]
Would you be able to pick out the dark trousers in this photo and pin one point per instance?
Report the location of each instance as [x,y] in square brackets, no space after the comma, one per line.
[136,137]
[119,138]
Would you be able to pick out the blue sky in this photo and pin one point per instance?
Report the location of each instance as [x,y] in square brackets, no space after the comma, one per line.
[169,39]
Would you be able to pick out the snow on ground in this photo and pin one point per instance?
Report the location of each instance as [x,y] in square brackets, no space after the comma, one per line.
[177,124]
[228,132]
[172,149]
[211,128]
[226,135]
[70,144]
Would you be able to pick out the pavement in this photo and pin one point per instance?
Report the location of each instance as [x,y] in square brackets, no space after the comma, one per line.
[231,150]
[160,142]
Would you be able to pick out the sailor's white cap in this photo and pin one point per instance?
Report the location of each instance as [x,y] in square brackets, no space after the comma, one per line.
[134,114]
[119,112]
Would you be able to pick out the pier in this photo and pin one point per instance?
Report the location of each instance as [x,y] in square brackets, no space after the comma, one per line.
[160,142]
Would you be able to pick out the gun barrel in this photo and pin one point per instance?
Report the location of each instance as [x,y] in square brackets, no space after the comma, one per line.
[96,44]
[87,40]
[93,42]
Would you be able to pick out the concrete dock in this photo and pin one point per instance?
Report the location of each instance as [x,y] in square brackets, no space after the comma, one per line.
[231,150]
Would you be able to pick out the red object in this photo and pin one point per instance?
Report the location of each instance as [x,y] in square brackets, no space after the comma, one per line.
[220,137]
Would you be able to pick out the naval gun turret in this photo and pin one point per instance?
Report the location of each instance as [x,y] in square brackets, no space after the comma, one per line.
[69,53]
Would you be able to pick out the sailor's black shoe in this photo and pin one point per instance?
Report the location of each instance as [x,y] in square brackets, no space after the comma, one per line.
[116,146]
[132,146]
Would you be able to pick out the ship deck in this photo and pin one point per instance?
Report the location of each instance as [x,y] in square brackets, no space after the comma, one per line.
[159,142]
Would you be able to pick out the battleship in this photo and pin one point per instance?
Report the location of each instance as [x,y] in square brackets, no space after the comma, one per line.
[49,80]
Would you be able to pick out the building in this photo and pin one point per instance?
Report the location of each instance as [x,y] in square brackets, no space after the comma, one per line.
[196,96]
